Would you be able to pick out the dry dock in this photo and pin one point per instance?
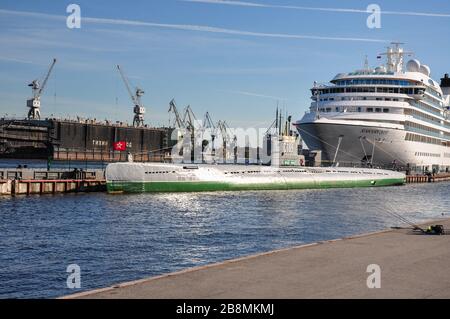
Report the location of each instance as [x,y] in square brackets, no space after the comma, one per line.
[412,266]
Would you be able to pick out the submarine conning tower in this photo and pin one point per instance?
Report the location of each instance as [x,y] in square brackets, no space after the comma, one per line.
[445,84]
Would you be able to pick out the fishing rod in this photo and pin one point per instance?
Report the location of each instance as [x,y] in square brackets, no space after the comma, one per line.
[391,212]
[431,230]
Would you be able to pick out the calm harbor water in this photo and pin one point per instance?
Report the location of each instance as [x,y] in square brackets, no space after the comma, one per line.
[116,238]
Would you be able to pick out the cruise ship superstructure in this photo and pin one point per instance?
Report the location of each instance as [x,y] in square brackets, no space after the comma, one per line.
[392,115]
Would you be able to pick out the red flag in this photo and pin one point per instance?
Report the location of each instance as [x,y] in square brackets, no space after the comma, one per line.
[120,146]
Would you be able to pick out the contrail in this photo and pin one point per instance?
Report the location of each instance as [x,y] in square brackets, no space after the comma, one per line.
[8,59]
[258,95]
[275,6]
[188,27]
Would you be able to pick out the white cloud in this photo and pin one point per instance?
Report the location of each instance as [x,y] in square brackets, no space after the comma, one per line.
[343,10]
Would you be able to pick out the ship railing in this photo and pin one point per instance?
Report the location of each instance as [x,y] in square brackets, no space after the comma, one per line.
[391,166]
[324,85]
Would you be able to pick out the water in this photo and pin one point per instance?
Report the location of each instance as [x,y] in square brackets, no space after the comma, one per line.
[116,238]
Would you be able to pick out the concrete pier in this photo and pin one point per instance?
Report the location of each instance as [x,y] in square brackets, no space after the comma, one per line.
[39,181]
[412,266]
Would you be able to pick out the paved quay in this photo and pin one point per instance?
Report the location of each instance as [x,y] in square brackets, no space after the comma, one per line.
[412,266]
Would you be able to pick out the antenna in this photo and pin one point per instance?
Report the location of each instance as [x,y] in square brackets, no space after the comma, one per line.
[394,57]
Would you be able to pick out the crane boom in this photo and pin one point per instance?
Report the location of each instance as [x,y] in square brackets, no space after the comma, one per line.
[173,108]
[127,85]
[208,122]
[228,143]
[139,109]
[46,78]
[189,119]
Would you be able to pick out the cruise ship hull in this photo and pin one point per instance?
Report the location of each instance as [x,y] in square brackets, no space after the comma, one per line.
[380,146]
[152,177]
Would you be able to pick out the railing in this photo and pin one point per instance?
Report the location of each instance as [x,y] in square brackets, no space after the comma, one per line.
[59,174]
[418,117]
[430,109]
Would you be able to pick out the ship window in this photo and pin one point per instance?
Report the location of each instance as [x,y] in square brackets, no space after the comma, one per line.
[369,109]
[359,108]
[328,109]
[385,110]
[378,110]
[337,109]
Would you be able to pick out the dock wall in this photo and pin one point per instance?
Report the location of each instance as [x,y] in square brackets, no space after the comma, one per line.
[29,182]
[442,177]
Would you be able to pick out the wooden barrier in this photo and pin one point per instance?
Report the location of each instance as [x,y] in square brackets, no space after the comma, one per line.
[428,178]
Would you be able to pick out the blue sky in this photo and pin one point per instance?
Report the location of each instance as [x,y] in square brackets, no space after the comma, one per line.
[236,75]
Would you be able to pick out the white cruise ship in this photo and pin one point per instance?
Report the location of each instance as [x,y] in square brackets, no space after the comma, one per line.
[393,115]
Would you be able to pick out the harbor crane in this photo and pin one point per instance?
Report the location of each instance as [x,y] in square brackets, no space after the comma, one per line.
[178,120]
[35,102]
[180,126]
[191,125]
[226,140]
[190,120]
[208,124]
[139,109]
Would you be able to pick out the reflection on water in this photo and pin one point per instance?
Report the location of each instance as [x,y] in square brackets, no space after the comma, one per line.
[126,237]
